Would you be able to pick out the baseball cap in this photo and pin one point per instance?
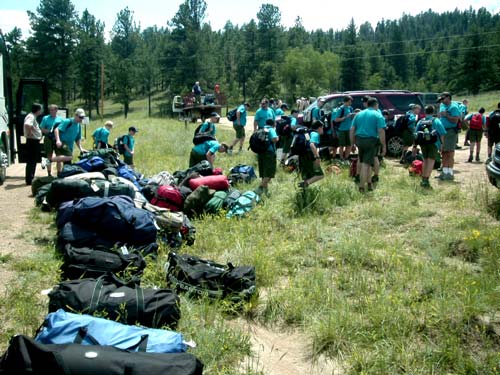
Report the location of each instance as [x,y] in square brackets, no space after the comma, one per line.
[80,112]
[214,114]
[134,129]
[443,95]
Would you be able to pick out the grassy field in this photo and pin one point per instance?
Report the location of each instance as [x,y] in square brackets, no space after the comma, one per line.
[398,281]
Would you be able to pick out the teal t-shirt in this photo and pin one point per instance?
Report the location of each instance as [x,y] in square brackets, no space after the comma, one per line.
[208,127]
[70,132]
[130,142]
[262,115]
[368,122]
[101,134]
[203,148]
[344,111]
[49,121]
[412,121]
[272,134]
[314,138]
[243,115]
[279,112]
[316,114]
[453,111]
[437,125]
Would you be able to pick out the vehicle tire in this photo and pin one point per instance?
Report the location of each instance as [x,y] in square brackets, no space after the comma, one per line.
[3,165]
[395,145]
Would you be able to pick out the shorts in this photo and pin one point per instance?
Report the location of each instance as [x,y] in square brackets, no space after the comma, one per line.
[308,168]
[328,140]
[63,150]
[367,149]
[240,131]
[344,138]
[493,139]
[267,164]
[128,159]
[429,151]
[450,140]
[48,147]
[195,158]
[475,135]
[408,138]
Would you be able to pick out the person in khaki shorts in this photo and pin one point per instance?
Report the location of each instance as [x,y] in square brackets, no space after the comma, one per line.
[449,114]
[66,135]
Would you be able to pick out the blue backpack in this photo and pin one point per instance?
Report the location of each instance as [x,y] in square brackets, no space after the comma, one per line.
[63,327]
[93,164]
[245,203]
[128,173]
[242,168]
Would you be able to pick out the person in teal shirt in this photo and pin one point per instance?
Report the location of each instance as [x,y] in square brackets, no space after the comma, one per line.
[101,136]
[408,134]
[430,151]
[46,127]
[208,127]
[239,127]
[310,163]
[475,132]
[267,160]
[129,145]
[263,114]
[342,122]
[66,135]
[449,114]
[368,133]
[206,151]
[281,110]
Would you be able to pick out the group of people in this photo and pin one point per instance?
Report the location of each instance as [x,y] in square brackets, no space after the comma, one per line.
[59,137]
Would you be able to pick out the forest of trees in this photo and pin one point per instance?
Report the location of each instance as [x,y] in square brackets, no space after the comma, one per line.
[457,51]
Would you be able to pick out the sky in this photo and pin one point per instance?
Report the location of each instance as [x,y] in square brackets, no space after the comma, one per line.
[324,15]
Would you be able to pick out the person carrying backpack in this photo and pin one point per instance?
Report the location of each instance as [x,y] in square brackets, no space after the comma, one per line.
[239,127]
[101,136]
[493,130]
[430,151]
[267,159]
[342,119]
[476,122]
[129,145]
[208,127]
[310,162]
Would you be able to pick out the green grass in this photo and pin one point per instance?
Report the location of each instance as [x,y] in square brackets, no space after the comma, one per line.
[391,282]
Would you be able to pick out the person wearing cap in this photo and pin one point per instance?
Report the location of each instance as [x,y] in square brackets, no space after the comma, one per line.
[342,123]
[281,110]
[129,145]
[206,151]
[66,135]
[239,127]
[101,136]
[33,135]
[46,126]
[449,114]
[208,127]
[310,163]
[368,133]
[263,114]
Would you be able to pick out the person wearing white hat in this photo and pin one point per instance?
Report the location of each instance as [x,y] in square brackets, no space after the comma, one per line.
[66,135]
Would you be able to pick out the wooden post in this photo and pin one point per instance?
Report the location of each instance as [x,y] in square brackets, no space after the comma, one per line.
[102,89]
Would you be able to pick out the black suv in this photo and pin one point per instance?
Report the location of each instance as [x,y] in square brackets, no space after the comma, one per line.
[396,102]
[493,167]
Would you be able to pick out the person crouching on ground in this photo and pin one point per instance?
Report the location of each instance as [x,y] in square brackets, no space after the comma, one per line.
[310,163]
[101,136]
[430,151]
[367,133]
[206,151]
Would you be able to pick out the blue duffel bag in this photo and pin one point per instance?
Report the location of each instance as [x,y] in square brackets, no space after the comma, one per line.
[93,164]
[63,327]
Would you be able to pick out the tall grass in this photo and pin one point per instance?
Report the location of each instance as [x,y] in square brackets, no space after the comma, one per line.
[395,281]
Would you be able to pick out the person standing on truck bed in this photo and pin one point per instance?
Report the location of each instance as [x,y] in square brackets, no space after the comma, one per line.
[33,135]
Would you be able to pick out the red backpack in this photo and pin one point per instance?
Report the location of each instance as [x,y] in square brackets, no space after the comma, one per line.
[476,121]
[168,197]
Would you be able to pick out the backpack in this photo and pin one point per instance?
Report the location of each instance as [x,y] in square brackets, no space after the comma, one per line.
[119,144]
[494,124]
[215,204]
[426,135]
[336,124]
[199,138]
[231,198]
[110,297]
[25,356]
[415,168]
[245,203]
[259,141]
[232,115]
[168,196]
[242,168]
[402,123]
[476,121]
[51,134]
[92,164]
[63,327]
[301,142]
[204,277]
[284,126]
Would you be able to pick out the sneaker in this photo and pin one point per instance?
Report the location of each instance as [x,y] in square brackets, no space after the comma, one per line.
[45,162]
[458,147]
[374,179]
[478,159]
[470,159]
[370,187]
[259,190]
[448,177]
[356,179]
[230,151]
[425,183]
[467,143]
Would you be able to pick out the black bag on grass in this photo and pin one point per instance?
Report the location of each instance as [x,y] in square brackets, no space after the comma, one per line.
[25,356]
[87,262]
[70,170]
[110,297]
[63,190]
[38,182]
[205,277]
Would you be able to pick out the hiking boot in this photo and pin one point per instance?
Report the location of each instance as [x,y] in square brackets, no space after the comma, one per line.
[374,179]
[477,158]
[44,162]
[466,143]
[425,183]
[458,147]
[361,190]
[356,179]
[470,159]
[370,187]
[259,191]
[448,177]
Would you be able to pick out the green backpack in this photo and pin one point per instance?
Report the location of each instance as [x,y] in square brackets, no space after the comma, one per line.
[215,204]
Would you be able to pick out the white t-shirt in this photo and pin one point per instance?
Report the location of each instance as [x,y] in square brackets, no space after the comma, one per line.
[30,121]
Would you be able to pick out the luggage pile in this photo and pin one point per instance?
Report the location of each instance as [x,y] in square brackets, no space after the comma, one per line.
[109,221]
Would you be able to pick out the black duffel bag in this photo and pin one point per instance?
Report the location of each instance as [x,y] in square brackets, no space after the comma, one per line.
[204,277]
[25,356]
[110,297]
[87,262]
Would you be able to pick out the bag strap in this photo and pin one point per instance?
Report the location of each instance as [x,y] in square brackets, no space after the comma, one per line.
[96,295]
[139,295]
[84,334]
[141,346]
